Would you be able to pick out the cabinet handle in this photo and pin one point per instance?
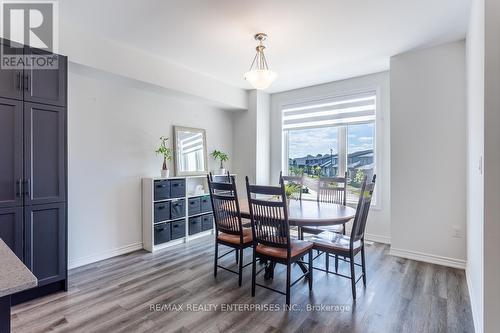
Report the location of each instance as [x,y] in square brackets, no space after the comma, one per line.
[28,187]
[19,187]
[161,207]
[18,81]
[27,82]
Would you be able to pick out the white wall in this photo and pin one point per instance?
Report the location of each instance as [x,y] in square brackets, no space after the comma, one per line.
[378,226]
[492,167]
[475,148]
[251,141]
[110,56]
[114,125]
[428,154]
[263,153]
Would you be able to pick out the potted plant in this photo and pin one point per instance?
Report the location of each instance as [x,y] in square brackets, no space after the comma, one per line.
[166,152]
[222,157]
[291,190]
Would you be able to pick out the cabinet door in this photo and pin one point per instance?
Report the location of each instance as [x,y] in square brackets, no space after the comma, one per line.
[45,241]
[47,86]
[11,152]
[11,229]
[11,80]
[44,153]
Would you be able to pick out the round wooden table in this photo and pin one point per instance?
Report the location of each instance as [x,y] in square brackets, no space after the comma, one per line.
[306,213]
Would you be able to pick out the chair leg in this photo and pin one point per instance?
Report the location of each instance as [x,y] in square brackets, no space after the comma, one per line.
[311,269]
[327,261]
[254,264]
[236,254]
[288,282]
[353,277]
[301,234]
[363,264]
[240,271]
[336,263]
[216,257]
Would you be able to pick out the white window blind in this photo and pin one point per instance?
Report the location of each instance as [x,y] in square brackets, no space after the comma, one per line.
[358,108]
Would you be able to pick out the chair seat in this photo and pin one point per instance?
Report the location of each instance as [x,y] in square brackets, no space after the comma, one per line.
[298,248]
[235,239]
[339,228]
[333,242]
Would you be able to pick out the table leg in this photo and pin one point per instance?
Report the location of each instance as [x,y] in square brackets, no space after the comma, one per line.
[303,267]
[269,271]
[5,314]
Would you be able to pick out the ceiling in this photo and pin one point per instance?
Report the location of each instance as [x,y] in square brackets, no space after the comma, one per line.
[310,41]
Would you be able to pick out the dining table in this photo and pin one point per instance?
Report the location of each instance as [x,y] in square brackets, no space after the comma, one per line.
[308,213]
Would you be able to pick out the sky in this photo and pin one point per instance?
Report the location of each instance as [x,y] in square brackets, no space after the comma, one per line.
[321,140]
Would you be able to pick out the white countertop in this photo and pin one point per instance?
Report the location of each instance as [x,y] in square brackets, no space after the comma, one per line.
[14,276]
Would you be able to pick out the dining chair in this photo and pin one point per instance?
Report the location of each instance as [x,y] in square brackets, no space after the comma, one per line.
[329,190]
[229,230]
[271,235]
[349,246]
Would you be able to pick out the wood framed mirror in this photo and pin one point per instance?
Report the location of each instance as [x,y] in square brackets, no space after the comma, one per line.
[190,153]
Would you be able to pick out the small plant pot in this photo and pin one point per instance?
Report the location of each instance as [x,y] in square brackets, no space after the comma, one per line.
[222,171]
[165,173]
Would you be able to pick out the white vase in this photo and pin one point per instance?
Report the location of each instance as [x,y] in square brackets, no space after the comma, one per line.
[165,173]
[222,171]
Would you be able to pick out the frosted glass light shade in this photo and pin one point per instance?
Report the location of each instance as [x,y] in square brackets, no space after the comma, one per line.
[260,78]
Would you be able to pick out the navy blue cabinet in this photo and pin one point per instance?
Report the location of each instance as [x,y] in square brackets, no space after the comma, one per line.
[11,229]
[46,86]
[11,150]
[11,80]
[33,170]
[44,153]
[45,241]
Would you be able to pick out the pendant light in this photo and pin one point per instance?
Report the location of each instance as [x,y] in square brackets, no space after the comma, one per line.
[259,75]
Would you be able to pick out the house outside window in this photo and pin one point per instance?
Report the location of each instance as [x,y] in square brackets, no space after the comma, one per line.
[328,137]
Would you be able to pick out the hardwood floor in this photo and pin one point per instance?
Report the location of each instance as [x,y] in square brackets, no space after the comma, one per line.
[116,295]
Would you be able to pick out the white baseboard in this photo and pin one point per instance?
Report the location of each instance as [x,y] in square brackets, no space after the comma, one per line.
[473,304]
[430,258]
[378,238]
[74,263]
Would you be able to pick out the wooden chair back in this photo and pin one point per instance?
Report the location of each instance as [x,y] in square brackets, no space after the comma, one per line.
[226,178]
[364,202]
[333,190]
[225,206]
[269,215]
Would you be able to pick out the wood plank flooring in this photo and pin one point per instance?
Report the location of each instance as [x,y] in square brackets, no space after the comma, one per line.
[116,295]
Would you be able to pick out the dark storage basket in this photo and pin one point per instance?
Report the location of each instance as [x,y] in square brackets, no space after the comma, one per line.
[177,188]
[207,222]
[177,209]
[194,225]
[162,233]
[178,229]
[161,189]
[162,211]
[206,204]
[194,206]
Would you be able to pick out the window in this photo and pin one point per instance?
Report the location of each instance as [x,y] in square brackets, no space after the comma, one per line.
[328,137]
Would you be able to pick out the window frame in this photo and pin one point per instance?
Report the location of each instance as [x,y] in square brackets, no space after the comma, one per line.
[343,135]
